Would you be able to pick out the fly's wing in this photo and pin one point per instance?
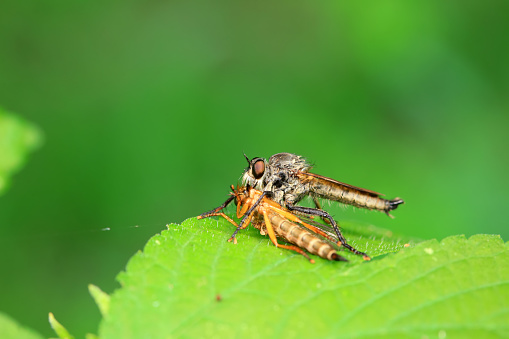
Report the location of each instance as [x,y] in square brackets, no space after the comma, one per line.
[316,179]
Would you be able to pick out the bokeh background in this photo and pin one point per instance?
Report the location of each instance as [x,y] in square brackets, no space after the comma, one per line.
[147,106]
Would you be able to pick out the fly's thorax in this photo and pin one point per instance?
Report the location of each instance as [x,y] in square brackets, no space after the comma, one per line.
[297,189]
[289,161]
[278,197]
[286,188]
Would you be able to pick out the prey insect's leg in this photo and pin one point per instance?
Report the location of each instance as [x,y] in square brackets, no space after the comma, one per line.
[239,227]
[215,210]
[319,206]
[272,236]
[323,214]
[241,211]
[220,214]
[246,219]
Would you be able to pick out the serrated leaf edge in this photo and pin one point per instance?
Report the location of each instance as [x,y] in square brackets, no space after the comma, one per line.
[60,330]
[101,298]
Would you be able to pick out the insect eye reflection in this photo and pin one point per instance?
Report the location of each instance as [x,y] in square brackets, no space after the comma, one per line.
[258,168]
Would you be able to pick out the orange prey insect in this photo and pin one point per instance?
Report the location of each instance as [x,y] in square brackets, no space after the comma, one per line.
[272,219]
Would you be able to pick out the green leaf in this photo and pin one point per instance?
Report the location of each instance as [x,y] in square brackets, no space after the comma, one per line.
[101,299]
[10,329]
[190,282]
[60,330]
[17,139]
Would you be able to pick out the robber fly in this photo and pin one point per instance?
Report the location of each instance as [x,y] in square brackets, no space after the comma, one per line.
[272,219]
[286,179]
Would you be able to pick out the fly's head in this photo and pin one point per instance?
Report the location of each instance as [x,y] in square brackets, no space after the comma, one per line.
[276,176]
[255,173]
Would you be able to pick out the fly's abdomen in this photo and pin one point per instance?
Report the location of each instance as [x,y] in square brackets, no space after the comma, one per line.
[352,196]
[302,238]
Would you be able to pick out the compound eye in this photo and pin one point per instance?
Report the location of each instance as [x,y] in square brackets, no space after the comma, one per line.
[258,169]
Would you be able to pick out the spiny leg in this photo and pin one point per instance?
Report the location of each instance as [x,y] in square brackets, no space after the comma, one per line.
[219,214]
[323,214]
[314,229]
[318,231]
[319,206]
[240,227]
[217,209]
[294,218]
[215,212]
[272,236]
[240,214]
[247,217]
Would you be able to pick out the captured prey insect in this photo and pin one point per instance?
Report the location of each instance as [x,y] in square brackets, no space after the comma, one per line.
[272,219]
[286,179]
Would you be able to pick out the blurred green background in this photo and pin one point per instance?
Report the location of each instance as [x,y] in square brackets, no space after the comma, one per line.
[147,106]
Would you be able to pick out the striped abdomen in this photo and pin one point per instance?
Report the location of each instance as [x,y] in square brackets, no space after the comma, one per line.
[351,195]
[301,237]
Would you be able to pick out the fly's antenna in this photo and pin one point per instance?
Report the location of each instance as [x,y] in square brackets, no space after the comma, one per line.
[245,156]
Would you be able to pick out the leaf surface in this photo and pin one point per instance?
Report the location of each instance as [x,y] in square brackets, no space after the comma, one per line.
[190,282]
[10,329]
[17,139]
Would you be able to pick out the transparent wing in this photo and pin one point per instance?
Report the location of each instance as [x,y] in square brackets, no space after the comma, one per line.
[321,180]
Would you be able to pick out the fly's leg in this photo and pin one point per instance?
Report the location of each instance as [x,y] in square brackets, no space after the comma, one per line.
[294,218]
[215,212]
[323,214]
[272,236]
[246,219]
[241,212]
[219,214]
[217,209]
[319,206]
[240,227]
